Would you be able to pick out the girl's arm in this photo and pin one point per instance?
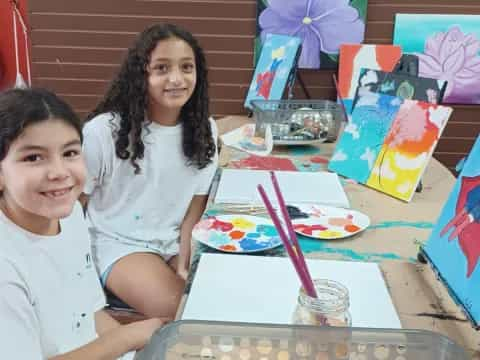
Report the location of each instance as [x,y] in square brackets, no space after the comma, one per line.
[104,322]
[115,342]
[194,213]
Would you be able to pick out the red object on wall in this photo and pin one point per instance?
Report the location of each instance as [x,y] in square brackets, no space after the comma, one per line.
[7,45]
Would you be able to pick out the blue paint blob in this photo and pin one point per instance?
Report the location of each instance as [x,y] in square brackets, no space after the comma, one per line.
[249,244]
[309,246]
[391,224]
[267,230]
[253,235]
[218,239]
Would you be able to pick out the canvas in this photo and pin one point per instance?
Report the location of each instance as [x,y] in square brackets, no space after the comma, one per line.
[401,85]
[448,48]
[355,57]
[388,142]
[322,25]
[454,247]
[274,66]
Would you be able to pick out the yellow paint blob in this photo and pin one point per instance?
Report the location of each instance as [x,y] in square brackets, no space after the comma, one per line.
[242,223]
[329,234]
[307,20]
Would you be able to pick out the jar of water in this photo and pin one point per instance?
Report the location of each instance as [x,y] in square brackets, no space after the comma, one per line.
[330,307]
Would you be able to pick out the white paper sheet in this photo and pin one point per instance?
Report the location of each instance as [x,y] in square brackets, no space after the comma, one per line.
[240,187]
[257,289]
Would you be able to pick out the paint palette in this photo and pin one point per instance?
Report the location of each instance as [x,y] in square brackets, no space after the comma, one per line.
[325,222]
[237,233]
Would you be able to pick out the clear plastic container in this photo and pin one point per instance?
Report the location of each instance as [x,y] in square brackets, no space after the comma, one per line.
[330,307]
[297,120]
[231,341]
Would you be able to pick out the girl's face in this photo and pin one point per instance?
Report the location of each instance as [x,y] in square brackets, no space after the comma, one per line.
[42,176]
[172,75]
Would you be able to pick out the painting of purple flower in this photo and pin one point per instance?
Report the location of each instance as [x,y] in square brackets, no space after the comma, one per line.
[453,56]
[323,25]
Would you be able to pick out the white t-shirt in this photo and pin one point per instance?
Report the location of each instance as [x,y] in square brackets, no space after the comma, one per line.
[139,213]
[49,290]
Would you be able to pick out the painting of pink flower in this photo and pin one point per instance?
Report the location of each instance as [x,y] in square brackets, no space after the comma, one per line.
[453,56]
[323,25]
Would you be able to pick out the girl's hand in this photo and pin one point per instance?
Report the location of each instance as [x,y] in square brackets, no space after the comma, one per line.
[140,332]
[182,272]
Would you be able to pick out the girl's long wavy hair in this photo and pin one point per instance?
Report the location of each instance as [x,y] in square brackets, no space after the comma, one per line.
[128,97]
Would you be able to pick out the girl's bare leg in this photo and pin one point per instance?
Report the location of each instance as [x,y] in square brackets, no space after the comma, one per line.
[147,283]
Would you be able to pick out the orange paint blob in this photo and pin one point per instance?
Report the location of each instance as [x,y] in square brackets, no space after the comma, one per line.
[351,228]
[235,235]
[228,248]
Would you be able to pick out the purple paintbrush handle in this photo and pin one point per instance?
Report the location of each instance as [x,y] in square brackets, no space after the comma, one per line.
[307,285]
[291,232]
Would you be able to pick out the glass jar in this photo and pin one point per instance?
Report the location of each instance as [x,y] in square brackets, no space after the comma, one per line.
[329,308]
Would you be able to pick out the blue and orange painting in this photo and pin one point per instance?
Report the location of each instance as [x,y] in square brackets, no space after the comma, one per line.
[274,66]
[363,137]
[454,245]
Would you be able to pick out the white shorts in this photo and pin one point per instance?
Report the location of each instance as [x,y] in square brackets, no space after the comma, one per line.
[107,252]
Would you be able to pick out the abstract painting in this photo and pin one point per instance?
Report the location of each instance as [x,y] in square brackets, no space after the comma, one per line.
[322,25]
[355,57]
[274,66]
[454,247]
[388,142]
[448,48]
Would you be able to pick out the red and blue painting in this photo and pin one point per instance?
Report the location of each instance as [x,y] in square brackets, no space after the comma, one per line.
[454,245]
[276,63]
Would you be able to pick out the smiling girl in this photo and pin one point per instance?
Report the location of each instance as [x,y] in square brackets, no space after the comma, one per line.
[50,298]
[151,156]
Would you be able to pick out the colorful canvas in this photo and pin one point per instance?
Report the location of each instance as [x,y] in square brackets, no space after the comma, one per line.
[401,85]
[274,66]
[448,48]
[388,142]
[355,57]
[237,233]
[454,247]
[322,25]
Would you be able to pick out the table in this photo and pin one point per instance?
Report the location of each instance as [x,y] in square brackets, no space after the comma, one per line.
[393,239]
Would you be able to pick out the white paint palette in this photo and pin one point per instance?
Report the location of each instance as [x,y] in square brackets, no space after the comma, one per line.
[329,223]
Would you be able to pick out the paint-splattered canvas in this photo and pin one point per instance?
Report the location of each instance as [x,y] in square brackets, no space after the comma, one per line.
[402,85]
[363,136]
[355,57]
[454,247]
[388,142]
[323,25]
[448,48]
[273,68]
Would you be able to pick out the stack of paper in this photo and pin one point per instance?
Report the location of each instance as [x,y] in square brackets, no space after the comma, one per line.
[240,187]
[259,289]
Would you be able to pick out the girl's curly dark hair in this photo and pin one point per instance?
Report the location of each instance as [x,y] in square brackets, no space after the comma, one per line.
[128,97]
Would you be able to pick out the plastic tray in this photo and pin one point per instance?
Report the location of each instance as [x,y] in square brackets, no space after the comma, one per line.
[282,112]
[222,340]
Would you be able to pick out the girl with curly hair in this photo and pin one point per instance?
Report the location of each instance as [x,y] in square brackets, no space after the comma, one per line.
[151,155]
